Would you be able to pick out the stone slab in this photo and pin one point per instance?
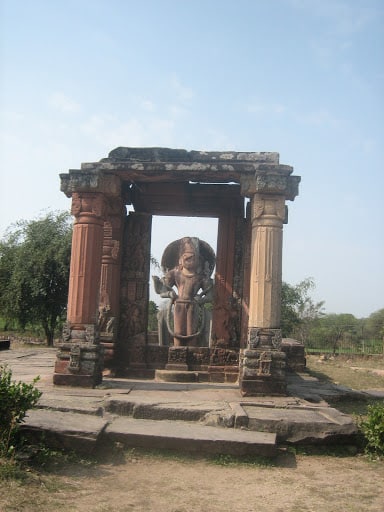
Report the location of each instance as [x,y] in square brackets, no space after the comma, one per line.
[68,403]
[303,417]
[64,430]
[162,410]
[169,375]
[189,437]
[302,424]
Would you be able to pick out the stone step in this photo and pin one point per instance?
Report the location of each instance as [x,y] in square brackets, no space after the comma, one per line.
[190,437]
[302,425]
[64,430]
[85,434]
[179,411]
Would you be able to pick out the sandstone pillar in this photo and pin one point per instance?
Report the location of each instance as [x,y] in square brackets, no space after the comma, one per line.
[109,306]
[87,243]
[79,361]
[262,367]
[134,289]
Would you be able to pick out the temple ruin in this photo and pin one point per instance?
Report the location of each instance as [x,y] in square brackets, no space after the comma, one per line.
[108,296]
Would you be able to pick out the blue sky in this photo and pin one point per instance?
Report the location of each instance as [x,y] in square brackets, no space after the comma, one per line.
[304,78]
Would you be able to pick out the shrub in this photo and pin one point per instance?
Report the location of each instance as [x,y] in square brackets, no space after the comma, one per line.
[15,400]
[373,430]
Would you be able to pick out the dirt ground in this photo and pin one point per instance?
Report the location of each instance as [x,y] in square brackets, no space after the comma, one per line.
[148,482]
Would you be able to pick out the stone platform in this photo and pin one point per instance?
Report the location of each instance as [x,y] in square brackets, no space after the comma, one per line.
[204,417]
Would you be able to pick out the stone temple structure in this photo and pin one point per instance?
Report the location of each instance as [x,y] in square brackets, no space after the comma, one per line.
[110,265]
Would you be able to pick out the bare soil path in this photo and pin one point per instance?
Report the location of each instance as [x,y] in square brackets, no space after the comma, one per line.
[145,482]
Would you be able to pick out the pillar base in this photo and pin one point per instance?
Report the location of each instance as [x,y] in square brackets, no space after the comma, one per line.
[177,359]
[79,360]
[262,372]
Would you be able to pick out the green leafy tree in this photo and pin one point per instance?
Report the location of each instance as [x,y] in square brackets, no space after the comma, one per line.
[290,299]
[298,310]
[374,325]
[34,272]
[152,315]
[334,329]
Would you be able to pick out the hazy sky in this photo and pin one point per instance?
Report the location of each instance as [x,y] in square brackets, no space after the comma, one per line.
[304,78]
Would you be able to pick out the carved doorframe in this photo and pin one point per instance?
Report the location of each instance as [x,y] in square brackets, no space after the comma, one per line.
[225,203]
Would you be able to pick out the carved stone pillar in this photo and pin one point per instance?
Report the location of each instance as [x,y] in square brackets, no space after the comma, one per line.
[262,366]
[134,291]
[267,216]
[110,278]
[87,243]
[79,360]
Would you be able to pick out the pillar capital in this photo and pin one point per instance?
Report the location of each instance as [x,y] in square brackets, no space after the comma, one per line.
[268,210]
[83,181]
[277,181]
[88,207]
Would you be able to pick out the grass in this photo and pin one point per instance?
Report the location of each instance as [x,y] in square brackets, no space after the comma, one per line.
[355,373]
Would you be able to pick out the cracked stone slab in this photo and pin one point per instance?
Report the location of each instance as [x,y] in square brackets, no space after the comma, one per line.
[301,424]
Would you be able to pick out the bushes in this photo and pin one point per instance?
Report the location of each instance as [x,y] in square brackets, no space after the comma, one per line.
[15,400]
[373,430]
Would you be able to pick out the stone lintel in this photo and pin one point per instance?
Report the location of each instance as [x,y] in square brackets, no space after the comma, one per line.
[257,172]
[236,167]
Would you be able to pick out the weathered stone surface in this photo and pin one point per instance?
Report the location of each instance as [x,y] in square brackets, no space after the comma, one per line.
[262,372]
[176,375]
[181,155]
[64,430]
[293,418]
[295,352]
[190,437]
[301,424]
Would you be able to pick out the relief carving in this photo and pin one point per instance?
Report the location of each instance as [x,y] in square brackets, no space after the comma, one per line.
[264,367]
[87,203]
[75,359]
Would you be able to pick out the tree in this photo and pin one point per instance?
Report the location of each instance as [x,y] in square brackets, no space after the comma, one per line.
[374,325]
[290,299]
[334,329]
[34,272]
[298,310]
[152,315]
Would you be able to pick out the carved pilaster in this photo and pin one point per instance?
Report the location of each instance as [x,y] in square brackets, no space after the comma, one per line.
[109,305]
[134,290]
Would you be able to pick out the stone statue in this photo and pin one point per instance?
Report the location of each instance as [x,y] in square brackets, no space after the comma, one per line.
[188,264]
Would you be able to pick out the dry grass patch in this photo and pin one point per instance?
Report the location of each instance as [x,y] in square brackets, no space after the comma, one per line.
[356,373]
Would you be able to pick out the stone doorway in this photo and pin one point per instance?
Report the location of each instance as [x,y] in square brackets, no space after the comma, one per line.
[136,355]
